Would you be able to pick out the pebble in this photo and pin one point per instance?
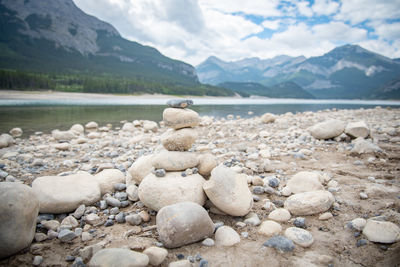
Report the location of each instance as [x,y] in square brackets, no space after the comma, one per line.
[300,222]
[113,202]
[79,211]
[280,215]
[66,235]
[203,263]
[109,223]
[299,236]
[134,219]
[358,223]
[270,228]
[226,236]
[363,195]
[37,260]
[273,182]
[325,216]
[280,243]
[119,186]
[258,190]
[120,218]
[78,262]
[160,173]
[208,242]
[361,242]
[114,211]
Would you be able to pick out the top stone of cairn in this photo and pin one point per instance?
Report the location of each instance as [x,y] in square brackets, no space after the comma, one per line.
[180,103]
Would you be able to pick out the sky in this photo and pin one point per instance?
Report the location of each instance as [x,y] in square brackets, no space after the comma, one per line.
[193,30]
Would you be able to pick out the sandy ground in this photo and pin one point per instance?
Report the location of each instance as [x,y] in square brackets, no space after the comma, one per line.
[334,244]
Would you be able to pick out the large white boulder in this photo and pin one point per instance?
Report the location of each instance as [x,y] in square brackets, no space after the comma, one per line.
[304,182]
[183,223]
[309,203]
[107,178]
[19,208]
[60,194]
[178,118]
[157,192]
[228,191]
[175,160]
[139,169]
[357,129]
[381,231]
[327,129]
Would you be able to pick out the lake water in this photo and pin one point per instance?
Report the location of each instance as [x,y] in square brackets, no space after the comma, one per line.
[46,115]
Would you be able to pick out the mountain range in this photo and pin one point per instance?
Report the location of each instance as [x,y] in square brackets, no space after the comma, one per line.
[348,71]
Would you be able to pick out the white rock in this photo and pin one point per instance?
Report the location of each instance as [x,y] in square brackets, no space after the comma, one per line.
[357,129]
[226,236]
[63,135]
[279,215]
[118,257]
[62,146]
[139,169]
[133,193]
[93,219]
[183,223]
[128,127]
[327,129]
[362,146]
[325,216]
[252,219]
[309,203]
[60,194]
[358,223]
[268,118]
[150,126]
[16,132]
[269,228]
[157,192]
[207,162]
[304,182]
[77,129]
[156,255]
[286,191]
[178,118]
[51,225]
[179,140]
[5,141]
[181,263]
[228,191]
[381,231]
[107,178]
[175,160]
[69,220]
[94,135]
[19,208]
[91,125]
[299,236]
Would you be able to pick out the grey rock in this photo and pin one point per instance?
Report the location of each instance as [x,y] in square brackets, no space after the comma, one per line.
[121,196]
[361,242]
[179,103]
[160,172]
[280,243]
[103,204]
[300,222]
[203,263]
[79,211]
[114,211]
[258,190]
[119,186]
[78,262]
[125,203]
[37,260]
[273,182]
[120,218]
[208,242]
[3,174]
[134,219]
[113,202]
[66,235]
[109,223]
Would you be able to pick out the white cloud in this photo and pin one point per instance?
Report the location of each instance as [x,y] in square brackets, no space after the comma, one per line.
[338,31]
[254,7]
[325,7]
[304,8]
[389,31]
[358,11]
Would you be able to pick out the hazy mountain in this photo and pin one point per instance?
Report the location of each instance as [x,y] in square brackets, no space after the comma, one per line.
[56,36]
[349,71]
[282,90]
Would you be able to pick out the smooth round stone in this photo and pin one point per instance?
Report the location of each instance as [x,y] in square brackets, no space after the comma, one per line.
[133,193]
[37,260]
[178,118]
[108,178]
[19,208]
[358,223]
[175,160]
[207,162]
[63,135]
[119,257]
[16,132]
[381,231]
[139,169]
[228,191]
[180,263]
[77,129]
[150,126]
[208,242]
[157,192]
[111,201]
[286,191]
[156,255]
[299,236]
[134,219]
[300,222]
[179,103]
[183,223]
[325,216]
[279,215]
[226,236]
[179,140]
[93,219]
[61,194]
[268,118]
[280,243]
[269,228]
[304,182]
[309,203]
[50,225]
[66,235]
[327,129]
[357,129]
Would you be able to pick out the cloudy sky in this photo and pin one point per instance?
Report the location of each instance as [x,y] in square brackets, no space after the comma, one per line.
[192,30]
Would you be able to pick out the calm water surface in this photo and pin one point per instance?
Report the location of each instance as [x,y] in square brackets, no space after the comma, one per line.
[39,115]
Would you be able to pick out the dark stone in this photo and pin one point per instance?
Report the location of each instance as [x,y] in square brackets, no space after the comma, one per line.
[258,190]
[125,203]
[2,165]
[279,203]
[203,263]
[256,198]
[183,174]
[190,258]
[180,103]
[109,223]
[300,222]
[273,182]
[120,218]
[180,256]
[198,257]
[69,258]
[361,242]
[195,170]
[44,217]
[78,262]
[160,173]
[280,243]
[357,234]
[383,247]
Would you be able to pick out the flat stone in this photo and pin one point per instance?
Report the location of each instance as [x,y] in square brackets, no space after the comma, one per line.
[183,223]
[357,129]
[280,215]
[309,203]
[179,140]
[327,129]
[119,257]
[61,194]
[175,160]
[269,228]
[304,182]
[280,243]
[66,235]
[108,178]
[228,191]
[299,236]
[181,263]
[79,211]
[113,202]
[381,231]
[157,192]
[19,208]
[177,118]
[51,225]
[179,103]
[70,220]
[226,236]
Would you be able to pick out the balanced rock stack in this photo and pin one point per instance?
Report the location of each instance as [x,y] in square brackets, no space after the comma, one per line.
[175,177]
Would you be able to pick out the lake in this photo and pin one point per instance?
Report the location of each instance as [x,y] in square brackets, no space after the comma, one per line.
[46,115]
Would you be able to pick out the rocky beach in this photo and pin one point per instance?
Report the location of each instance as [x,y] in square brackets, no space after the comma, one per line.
[306,189]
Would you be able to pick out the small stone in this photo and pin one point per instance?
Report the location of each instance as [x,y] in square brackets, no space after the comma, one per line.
[300,222]
[361,242]
[358,224]
[325,216]
[69,258]
[78,262]
[109,223]
[37,260]
[156,255]
[79,211]
[39,237]
[363,195]
[309,203]
[381,231]
[208,242]
[134,219]
[252,219]
[132,191]
[119,257]
[51,225]
[286,191]
[181,263]
[270,228]
[119,186]
[86,236]
[280,243]
[78,231]
[258,190]
[160,173]
[113,202]
[103,204]
[145,215]
[273,182]
[203,263]
[299,236]
[120,218]
[114,211]
[280,215]
[93,219]
[180,256]
[70,220]
[121,196]
[226,236]
[66,235]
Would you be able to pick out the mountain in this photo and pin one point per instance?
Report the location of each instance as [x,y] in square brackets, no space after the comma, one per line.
[55,36]
[390,90]
[282,90]
[348,71]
